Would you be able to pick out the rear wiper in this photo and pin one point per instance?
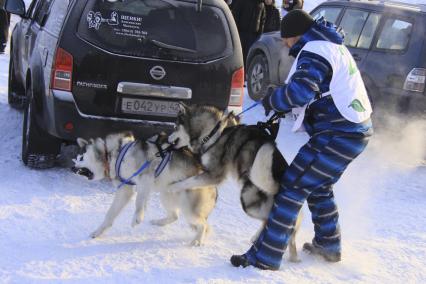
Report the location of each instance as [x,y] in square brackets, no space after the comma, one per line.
[169,46]
[199,5]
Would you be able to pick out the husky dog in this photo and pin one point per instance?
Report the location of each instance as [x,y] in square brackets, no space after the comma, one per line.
[247,152]
[98,161]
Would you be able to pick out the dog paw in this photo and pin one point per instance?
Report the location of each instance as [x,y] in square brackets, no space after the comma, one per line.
[196,243]
[96,233]
[137,219]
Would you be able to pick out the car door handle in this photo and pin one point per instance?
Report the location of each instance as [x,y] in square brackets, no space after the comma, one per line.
[45,54]
[356,57]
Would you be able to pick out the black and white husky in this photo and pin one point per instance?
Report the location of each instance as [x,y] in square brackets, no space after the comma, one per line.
[99,161]
[247,152]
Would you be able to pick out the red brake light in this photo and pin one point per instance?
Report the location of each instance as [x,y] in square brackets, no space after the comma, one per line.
[237,88]
[62,70]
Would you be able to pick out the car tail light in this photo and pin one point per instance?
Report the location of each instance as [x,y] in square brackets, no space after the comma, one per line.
[62,70]
[237,88]
[415,80]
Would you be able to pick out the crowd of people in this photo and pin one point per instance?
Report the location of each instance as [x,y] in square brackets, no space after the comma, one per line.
[254,17]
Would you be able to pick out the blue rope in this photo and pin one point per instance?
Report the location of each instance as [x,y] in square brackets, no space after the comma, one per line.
[249,108]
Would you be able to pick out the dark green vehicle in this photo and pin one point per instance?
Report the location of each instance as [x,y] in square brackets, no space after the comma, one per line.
[387,39]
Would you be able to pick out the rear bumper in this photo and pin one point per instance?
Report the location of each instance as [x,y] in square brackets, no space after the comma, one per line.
[64,110]
[407,102]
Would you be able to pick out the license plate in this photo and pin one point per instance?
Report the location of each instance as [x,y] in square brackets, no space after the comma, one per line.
[149,107]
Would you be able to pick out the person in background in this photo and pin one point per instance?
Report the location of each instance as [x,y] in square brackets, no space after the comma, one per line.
[325,88]
[272,21]
[289,5]
[250,17]
[4,26]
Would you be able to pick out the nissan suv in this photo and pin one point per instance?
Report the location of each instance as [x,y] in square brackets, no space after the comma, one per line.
[85,68]
[387,39]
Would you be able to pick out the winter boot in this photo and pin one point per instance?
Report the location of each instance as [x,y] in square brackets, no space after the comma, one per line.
[329,256]
[242,260]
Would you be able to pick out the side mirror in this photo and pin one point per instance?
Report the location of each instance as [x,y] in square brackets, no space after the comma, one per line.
[16,7]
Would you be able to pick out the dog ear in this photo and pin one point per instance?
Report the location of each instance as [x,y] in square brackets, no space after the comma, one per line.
[99,143]
[163,137]
[233,119]
[183,108]
[128,134]
[81,142]
[153,139]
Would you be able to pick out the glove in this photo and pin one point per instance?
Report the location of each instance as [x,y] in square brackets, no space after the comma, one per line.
[265,101]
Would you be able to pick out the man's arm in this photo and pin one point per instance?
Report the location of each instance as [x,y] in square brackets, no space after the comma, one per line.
[303,86]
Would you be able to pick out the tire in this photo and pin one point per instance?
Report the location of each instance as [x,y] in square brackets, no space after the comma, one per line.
[39,149]
[258,77]
[15,92]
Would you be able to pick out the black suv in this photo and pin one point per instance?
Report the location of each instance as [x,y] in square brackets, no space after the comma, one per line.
[85,68]
[387,39]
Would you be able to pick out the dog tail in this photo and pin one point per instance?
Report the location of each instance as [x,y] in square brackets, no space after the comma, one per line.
[267,169]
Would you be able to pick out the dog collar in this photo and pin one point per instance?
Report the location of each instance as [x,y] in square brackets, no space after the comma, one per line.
[209,136]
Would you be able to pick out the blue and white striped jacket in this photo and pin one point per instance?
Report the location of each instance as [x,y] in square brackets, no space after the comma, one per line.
[311,79]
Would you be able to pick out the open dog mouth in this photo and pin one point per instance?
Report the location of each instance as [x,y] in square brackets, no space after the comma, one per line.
[83,172]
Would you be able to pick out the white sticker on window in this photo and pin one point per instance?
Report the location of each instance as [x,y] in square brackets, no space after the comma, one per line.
[95,19]
[124,25]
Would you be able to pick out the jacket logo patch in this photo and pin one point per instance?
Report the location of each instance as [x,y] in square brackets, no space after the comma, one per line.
[352,65]
[357,106]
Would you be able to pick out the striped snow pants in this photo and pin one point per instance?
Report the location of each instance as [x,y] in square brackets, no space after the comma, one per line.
[311,176]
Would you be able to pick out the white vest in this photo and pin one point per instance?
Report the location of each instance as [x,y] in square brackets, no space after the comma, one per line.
[346,87]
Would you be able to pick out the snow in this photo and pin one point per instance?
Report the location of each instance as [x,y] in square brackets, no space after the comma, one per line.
[46,218]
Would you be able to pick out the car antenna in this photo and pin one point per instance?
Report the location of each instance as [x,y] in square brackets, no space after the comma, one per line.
[199,4]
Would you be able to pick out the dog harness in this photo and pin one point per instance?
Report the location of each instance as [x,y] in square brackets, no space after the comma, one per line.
[165,154]
[118,162]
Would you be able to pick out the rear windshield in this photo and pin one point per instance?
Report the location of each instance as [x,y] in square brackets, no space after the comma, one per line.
[166,29]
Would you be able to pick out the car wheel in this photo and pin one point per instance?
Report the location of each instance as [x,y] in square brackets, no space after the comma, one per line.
[15,96]
[258,77]
[39,149]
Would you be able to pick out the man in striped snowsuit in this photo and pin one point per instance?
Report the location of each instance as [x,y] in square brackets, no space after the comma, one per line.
[325,89]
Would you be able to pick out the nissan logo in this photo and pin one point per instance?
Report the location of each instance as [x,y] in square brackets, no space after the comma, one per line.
[157,72]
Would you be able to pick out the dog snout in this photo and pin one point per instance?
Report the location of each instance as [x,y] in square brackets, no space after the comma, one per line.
[172,138]
[174,142]
[82,172]
[75,170]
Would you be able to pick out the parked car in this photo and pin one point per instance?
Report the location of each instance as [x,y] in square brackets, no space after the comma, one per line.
[385,38]
[85,68]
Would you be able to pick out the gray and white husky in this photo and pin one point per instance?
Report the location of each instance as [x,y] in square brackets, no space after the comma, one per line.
[246,152]
[98,161]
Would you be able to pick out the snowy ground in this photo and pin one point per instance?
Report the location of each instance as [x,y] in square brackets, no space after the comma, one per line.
[47,216]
